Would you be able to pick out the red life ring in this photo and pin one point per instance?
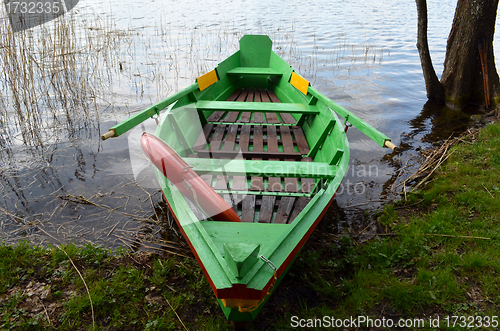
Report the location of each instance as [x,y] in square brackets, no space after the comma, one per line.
[179,172]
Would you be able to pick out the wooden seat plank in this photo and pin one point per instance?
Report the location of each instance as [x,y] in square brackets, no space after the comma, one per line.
[284,210]
[250,154]
[321,170]
[253,71]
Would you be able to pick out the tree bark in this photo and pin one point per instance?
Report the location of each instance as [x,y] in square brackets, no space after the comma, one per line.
[432,84]
[462,78]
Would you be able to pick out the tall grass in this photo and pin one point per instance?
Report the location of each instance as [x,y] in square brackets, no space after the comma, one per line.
[53,76]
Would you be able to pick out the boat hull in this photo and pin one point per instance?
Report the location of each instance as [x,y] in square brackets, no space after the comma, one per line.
[245,261]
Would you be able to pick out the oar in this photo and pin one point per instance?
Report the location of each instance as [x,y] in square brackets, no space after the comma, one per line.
[147,113]
[362,126]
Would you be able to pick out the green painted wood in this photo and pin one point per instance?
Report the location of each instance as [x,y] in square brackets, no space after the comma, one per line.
[336,158]
[151,111]
[209,244]
[319,142]
[240,257]
[180,135]
[361,125]
[253,71]
[232,154]
[250,124]
[266,107]
[263,168]
[290,238]
[255,51]
[263,235]
[207,251]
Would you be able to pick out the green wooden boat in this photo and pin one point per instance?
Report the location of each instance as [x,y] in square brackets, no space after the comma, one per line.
[268,144]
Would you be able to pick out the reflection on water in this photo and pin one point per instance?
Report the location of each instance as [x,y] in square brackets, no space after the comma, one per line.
[66,82]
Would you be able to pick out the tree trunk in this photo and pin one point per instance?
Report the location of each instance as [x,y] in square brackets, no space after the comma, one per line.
[462,78]
[432,84]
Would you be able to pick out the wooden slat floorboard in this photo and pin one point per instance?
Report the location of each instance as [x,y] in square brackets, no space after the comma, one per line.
[237,139]
[307,184]
[202,139]
[299,205]
[267,209]
[257,183]
[271,117]
[245,116]
[272,146]
[300,138]
[239,182]
[216,139]
[286,137]
[258,117]
[284,209]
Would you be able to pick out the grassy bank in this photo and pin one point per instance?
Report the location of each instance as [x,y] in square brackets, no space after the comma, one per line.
[439,257]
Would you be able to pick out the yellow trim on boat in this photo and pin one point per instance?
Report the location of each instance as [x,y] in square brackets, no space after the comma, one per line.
[207,79]
[300,83]
[241,304]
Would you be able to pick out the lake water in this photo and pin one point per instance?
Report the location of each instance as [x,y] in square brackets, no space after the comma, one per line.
[66,185]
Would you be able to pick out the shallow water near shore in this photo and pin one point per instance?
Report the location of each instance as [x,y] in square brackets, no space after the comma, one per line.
[60,182]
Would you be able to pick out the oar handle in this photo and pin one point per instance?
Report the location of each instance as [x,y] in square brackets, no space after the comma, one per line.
[390,145]
[110,134]
[153,110]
